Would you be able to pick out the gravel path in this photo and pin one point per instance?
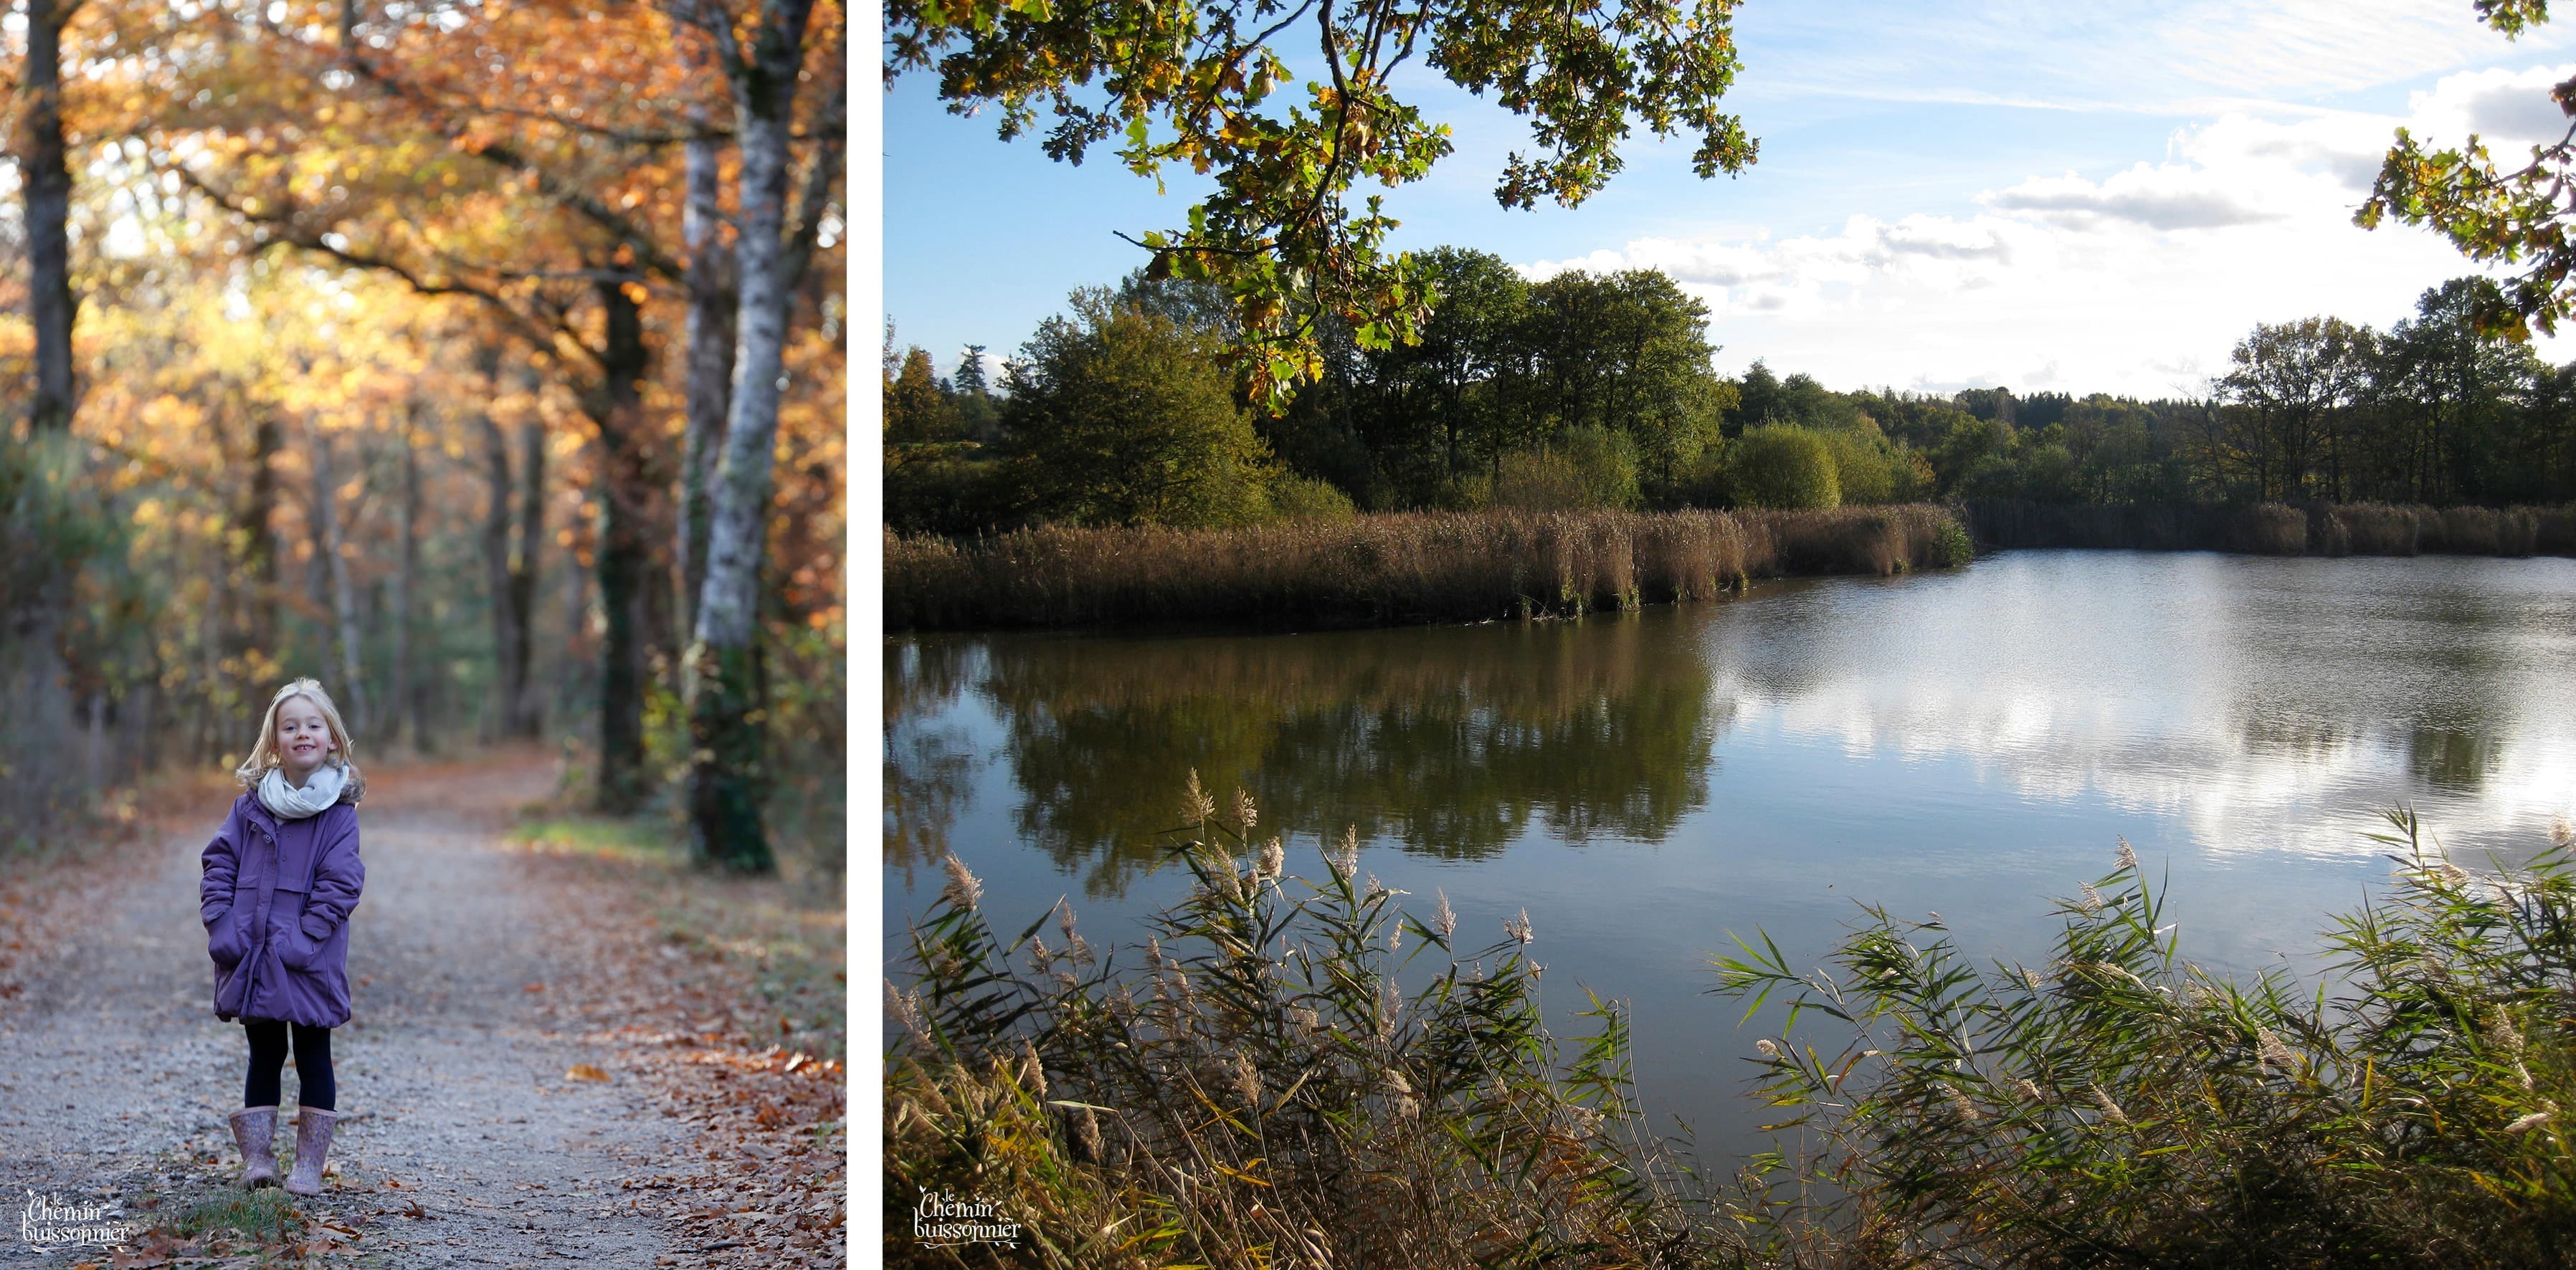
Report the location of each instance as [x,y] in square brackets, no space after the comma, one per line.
[476,989]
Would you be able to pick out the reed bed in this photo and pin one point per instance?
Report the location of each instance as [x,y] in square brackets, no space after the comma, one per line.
[1253,1088]
[1257,1090]
[2280,529]
[1393,569]
[2119,1106]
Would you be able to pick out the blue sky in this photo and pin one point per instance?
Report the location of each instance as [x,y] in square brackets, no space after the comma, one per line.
[2101,196]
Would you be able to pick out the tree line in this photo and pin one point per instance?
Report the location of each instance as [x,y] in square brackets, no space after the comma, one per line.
[1595,390]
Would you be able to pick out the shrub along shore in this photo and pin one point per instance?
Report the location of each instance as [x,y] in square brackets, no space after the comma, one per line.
[2277,529]
[1394,569]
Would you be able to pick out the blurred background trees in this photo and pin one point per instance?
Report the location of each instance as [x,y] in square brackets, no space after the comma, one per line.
[405,356]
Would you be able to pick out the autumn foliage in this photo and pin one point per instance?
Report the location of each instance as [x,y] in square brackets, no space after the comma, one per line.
[383,353]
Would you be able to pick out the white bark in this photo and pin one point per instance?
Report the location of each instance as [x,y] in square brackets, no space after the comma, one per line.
[764,87]
[712,336]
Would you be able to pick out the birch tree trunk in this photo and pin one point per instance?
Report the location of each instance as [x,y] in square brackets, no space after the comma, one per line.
[344,600]
[721,677]
[711,337]
[50,304]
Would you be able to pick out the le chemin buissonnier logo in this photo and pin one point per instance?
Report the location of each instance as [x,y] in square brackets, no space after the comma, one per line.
[48,1223]
[942,1220]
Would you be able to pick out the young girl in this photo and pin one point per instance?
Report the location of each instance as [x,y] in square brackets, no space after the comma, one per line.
[280,879]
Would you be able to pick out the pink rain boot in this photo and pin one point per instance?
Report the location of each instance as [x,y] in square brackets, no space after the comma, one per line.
[312,1143]
[253,1128]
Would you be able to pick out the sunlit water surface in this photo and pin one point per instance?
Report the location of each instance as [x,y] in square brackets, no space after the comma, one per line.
[1966,743]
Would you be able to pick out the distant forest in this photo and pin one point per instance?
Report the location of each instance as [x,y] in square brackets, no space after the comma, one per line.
[1592,390]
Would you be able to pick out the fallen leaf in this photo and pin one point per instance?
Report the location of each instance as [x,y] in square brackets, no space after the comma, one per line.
[585,1071]
[534,987]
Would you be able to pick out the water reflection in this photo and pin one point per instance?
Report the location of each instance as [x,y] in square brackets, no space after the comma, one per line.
[2452,760]
[2264,703]
[930,761]
[1446,742]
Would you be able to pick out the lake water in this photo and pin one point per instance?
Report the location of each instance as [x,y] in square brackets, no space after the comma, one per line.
[1967,743]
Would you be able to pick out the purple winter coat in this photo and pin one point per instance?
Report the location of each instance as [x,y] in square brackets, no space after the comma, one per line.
[290,961]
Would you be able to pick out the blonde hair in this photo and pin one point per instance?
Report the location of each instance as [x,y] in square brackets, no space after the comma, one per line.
[263,753]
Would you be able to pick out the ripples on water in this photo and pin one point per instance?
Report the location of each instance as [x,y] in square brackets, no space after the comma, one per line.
[1969,742]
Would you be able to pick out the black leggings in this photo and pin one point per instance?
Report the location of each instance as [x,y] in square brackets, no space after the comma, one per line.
[268,1055]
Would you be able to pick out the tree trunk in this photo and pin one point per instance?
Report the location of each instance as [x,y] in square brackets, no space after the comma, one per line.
[344,600]
[510,616]
[50,305]
[254,523]
[711,350]
[398,699]
[566,686]
[721,673]
[527,713]
[507,675]
[624,554]
[511,574]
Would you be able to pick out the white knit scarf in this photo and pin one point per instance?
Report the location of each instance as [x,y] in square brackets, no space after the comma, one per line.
[320,790]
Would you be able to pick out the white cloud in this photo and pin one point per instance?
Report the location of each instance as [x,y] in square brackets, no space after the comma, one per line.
[2505,108]
[2165,196]
[2132,283]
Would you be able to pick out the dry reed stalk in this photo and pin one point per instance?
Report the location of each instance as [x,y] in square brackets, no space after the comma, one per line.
[2377,529]
[1386,569]
[2553,530]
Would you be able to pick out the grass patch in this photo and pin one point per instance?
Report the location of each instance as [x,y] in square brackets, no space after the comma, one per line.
[632,839]
[267,1215]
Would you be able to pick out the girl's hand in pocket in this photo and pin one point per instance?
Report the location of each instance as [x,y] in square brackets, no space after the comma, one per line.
[225,941]
[298,947]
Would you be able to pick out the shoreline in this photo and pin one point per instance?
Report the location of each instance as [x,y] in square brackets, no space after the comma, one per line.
[1394,569]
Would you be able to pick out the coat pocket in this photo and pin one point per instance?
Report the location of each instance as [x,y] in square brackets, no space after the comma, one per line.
[295,949]
[232,983]
[228,939]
